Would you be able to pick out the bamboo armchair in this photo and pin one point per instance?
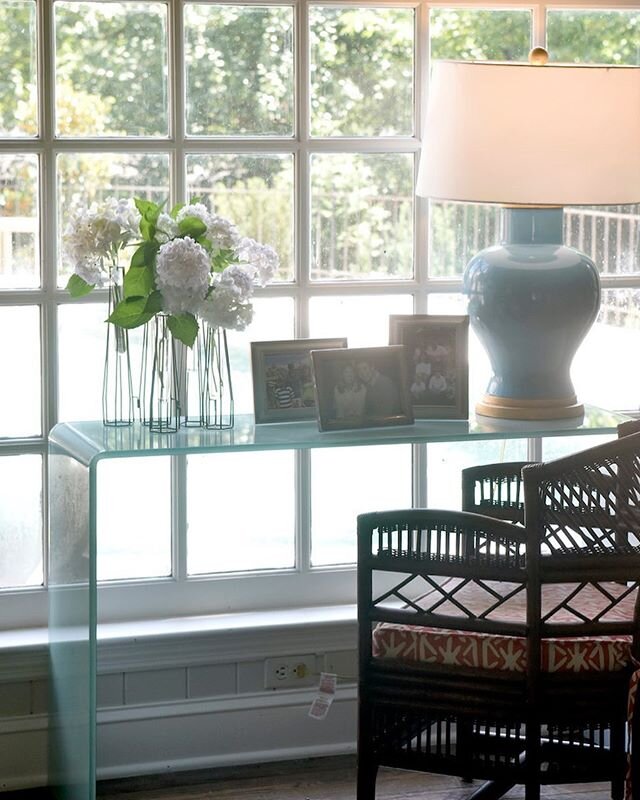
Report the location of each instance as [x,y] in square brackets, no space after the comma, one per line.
[500,647]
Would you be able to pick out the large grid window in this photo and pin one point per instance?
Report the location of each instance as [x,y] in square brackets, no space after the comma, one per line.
[301,121]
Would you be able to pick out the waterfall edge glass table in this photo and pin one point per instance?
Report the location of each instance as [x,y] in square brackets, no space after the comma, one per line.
[75,450]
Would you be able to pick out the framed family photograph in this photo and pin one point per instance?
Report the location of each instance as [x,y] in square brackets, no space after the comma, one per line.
[283,388]
[364,387]
[437,361]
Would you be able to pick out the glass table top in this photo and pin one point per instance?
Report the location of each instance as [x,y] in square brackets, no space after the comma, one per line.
[91,441]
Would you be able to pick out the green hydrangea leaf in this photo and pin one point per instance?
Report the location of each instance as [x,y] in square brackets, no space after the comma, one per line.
[176,210]
[184,328]
[154,303]
[192,226]
[138,281]
[78,287]
[135,311]
[145,255]
[149,212]
[222,259]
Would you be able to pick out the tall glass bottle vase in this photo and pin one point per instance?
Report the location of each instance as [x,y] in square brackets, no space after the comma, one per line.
[117,387]
[193,399]
[217,389]
[159,387]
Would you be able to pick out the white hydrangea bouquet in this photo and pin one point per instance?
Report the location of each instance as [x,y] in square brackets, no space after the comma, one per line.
[189,264]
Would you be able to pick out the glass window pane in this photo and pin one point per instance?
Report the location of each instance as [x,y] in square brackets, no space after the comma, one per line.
[363,320]
[361,71]
[457,231]
[18,94]
[446,461]
[273,319]
[560,446]
[254,192]
[610,235]
[111,69]
[21,521]
[88,177]
[239,70]
[357,480]
[82,339]
[134,536]
[241,512]
[605,369]
[608,36]
[480,34]
[361,216]
[19,229]
[20,364]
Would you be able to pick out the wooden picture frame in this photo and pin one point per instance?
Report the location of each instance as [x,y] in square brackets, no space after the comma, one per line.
[437,357]
[363,387]
[282,372]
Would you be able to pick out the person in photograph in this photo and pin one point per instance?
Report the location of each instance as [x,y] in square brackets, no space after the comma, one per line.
[438,384]
[284,393]
[349,394]
[382,397]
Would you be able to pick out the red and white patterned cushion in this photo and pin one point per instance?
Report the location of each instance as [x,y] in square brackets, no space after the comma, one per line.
[470,649]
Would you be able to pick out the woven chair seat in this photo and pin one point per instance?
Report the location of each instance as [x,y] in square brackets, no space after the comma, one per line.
[459,648]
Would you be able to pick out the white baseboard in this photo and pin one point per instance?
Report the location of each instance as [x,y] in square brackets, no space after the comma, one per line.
[191,735]
[216,733]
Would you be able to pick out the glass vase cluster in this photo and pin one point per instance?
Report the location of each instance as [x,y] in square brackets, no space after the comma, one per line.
[185,386]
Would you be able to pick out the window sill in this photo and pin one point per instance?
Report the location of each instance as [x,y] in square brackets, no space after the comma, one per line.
[191,640]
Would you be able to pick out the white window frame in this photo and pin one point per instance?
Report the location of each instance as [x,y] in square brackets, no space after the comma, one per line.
[177,595]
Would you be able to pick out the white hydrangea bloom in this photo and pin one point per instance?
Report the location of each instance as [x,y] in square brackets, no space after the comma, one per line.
[224,309]
[166,228]
[91,271]
[238,279]
[262,257]
[197,210]
[222,234]
[93,237]
[182,275]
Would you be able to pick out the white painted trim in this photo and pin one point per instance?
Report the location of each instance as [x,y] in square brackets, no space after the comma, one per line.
[210,762]
[284,698]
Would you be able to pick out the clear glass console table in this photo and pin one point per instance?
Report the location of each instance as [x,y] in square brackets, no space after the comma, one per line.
[75,451]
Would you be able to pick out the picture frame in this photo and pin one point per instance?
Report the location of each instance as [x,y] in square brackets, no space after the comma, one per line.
[283,388]
[362,387]
[437,356]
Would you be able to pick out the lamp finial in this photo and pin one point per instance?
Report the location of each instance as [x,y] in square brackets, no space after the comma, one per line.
[538,56]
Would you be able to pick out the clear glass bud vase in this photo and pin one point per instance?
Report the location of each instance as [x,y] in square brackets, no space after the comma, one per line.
[117,386]
[193,401]
[216,386]
[159,387]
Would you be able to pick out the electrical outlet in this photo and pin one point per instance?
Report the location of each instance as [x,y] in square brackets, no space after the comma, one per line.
[286,672]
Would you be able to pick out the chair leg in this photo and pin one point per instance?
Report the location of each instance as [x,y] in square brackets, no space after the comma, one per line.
[366,786]
[619,757]
[532,790]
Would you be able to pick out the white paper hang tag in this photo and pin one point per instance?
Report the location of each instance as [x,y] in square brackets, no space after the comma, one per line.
[326,693]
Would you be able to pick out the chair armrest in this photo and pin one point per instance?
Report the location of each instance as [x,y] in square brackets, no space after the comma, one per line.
[495,490]
[440,542]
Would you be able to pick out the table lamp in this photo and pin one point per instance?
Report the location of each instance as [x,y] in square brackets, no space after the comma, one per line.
[533,138]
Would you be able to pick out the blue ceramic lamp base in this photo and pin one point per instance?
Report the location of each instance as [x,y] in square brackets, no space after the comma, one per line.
[531,302]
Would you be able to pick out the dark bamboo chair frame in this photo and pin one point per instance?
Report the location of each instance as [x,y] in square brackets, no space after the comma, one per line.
[572,520]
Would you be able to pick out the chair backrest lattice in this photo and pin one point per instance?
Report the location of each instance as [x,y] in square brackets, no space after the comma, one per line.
[586,504]
[471,571]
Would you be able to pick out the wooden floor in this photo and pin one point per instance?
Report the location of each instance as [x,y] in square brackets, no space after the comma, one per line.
[313,779]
